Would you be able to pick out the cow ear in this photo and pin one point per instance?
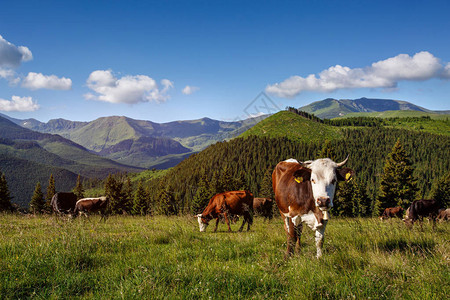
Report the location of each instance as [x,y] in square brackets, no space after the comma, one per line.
[345,174]
[302,175]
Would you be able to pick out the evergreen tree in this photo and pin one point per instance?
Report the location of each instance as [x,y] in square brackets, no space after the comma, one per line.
[79,190]
[140,201]
[113,190]
[266,190]
[327,151]
[37,204]
[361,202]
[202,195]
[166,203]
[441,190]
[51,191]
[397,187]
[128,201]
[5,196]
[343,201]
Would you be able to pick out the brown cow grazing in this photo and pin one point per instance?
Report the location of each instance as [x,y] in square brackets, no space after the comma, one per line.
[263,207]
[63,203]
[444,214]
[392,212]
[92,205]
[235,202]
[304,192]
[422,208]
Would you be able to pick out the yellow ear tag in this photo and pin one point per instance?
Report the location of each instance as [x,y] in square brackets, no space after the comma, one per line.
[347,176]
[299,179]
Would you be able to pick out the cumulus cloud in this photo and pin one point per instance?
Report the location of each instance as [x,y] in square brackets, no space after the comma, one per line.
[382,74]
[188,90]
[12,56]
[127,89]
[18,104]
[35,81]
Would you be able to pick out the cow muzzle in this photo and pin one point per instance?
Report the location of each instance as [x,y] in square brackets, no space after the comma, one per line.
[323,202]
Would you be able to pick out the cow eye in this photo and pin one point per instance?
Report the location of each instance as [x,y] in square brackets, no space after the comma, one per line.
[313,181]
[333,181]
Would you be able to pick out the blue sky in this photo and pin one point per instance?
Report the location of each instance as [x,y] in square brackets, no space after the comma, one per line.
[172,60]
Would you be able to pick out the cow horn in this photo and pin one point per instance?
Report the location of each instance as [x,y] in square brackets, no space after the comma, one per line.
[306,163]
[343,162]
[199,215]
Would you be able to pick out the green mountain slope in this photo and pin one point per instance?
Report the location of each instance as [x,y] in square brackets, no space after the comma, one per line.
[29,157]
[148,143]
[294,127]
[333,108]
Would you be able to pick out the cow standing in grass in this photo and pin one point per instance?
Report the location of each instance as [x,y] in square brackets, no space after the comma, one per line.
[92,205]
[304,192]
[392,212]
[63,203]
[226,204]
[422,208]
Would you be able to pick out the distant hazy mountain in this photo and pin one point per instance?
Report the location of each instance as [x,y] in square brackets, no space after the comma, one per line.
[332,108]
[142,143]
[28,157]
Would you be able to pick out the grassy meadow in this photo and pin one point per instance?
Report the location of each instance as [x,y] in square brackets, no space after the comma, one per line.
[167,257]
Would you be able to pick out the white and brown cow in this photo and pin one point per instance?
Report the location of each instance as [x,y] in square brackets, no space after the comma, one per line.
[304,192]
[92,205]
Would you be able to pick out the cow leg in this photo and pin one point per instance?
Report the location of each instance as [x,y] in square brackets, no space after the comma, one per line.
[298,231]
[228,221]
[319,237]
[291,236]
[217,223]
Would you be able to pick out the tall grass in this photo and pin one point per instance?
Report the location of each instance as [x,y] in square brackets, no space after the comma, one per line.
[161,257]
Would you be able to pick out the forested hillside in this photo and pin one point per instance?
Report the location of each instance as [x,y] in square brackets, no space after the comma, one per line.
[250,160]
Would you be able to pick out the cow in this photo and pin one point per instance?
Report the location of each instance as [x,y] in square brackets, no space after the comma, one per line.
[92,205]
[304,192]
[63,203]
[444,214]
[227,203]
[263,207]
[392,212]
[422,208]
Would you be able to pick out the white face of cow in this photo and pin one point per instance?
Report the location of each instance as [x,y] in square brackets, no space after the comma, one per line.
[323,181]
[202,226]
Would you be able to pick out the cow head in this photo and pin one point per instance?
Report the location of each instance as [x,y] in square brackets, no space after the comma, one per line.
[203,222]
[324,174]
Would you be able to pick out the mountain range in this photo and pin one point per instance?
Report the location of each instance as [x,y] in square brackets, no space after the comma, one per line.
[31,150]
[140,143]
[333,108]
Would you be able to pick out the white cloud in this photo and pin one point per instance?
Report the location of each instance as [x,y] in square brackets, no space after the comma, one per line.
[12,56]
[188,90]
[128,89]
[382,74]
[34,81]
[18,104]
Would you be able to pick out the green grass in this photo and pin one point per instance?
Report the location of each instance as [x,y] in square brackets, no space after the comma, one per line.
[161,257]
[294,127]
[397,114]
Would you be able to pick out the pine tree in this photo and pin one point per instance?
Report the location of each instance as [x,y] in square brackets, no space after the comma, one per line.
[202,195]
[166,203]
[5,196]
[397,187]
[266,190]
[128,201]
[113,190]
[140,201]
[79,190]
[327,151]
[51,191]
[37,204]
[441,190]
[343,201]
